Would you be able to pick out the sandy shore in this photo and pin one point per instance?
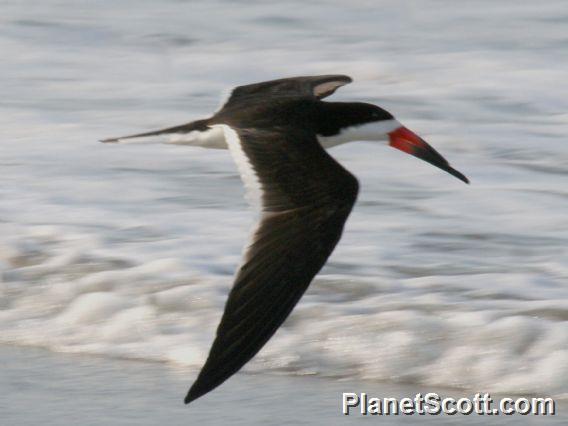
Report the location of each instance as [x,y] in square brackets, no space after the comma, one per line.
[41,387]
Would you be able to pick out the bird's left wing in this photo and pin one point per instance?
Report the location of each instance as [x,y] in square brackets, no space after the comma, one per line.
[315,86]
[306,197]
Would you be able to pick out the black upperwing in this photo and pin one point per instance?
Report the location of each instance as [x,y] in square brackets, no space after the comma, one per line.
[317,87]
[306,197]
[198,125]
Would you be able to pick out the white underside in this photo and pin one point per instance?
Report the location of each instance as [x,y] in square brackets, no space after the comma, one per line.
[216,138]
[213,138]
[375,131]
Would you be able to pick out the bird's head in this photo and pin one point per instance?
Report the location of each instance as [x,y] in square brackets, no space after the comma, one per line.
[367,122]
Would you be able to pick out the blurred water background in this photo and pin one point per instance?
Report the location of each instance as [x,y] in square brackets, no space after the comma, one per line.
[129,251]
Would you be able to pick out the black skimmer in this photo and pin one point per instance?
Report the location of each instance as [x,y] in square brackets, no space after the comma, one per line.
[276,132]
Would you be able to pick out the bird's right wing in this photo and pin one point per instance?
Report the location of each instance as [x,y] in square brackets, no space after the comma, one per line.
[318,87]
[306,197]
[194,126]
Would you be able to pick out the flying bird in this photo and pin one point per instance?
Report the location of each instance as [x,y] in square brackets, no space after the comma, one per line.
[277,132]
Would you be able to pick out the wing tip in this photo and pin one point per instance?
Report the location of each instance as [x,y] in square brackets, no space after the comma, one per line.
[189,398]
[330,77]
[338,77]
[196,391]
[110,140]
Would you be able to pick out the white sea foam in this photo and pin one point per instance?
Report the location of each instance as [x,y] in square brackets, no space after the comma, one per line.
[129,251]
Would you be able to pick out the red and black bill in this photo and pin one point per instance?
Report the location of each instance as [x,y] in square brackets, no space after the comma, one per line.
[409,142]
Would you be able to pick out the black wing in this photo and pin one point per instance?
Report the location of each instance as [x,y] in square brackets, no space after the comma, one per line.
[314,86]
[306,197]
[198,125]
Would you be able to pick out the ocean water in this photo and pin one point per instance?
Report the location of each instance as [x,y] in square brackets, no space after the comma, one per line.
[54,389]
[128,251]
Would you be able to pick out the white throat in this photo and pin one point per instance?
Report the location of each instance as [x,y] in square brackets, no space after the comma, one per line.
[374,131]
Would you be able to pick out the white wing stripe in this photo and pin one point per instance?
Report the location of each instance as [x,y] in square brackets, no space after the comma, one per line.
[250,179]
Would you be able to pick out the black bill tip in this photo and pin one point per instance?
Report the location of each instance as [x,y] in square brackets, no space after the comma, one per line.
[457,174]
[409,142]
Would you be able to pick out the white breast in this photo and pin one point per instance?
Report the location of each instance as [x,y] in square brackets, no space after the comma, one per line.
[375,131]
